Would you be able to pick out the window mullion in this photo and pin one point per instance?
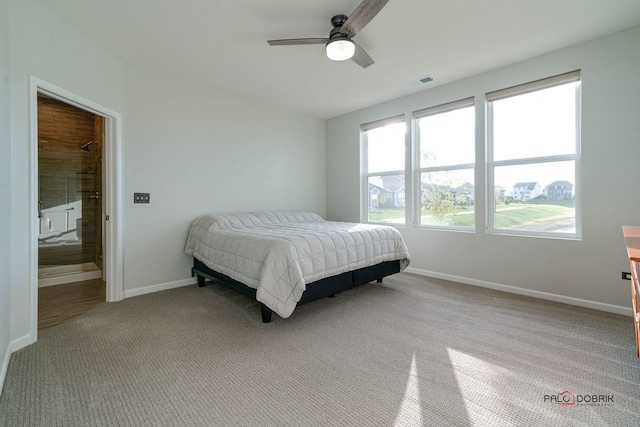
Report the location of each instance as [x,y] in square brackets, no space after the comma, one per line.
[446,168]
[534,160]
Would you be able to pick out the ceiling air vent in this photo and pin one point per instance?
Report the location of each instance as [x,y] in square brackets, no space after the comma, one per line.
[419,82]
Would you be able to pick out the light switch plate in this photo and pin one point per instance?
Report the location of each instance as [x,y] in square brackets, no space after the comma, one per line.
[141,197]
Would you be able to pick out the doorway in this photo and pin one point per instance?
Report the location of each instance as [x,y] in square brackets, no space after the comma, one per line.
[70,186]
[112,205]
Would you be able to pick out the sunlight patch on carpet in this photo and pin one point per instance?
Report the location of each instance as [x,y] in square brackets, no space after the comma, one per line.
[410,410]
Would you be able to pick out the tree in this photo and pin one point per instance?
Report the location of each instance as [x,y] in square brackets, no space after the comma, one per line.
[440,203]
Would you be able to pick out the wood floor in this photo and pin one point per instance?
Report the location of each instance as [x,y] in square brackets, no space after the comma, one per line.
[59,303]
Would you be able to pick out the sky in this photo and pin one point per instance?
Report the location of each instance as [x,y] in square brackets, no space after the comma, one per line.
[540,123]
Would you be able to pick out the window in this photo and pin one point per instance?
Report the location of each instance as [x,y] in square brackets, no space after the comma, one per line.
[533,158]
[445,146]
[383,148]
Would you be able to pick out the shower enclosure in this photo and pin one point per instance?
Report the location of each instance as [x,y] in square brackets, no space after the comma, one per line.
[69,189]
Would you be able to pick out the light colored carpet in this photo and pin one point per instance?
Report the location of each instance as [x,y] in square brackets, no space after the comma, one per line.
[411,351]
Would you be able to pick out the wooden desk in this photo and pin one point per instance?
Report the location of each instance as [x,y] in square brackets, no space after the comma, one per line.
[632,240]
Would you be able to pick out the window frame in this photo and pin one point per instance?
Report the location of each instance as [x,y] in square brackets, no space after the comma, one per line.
[491,164]
[365,174]
[417,170]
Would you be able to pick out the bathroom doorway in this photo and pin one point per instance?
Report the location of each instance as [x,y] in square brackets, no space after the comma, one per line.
[70,188]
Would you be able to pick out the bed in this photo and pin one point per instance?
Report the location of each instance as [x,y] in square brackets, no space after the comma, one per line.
[283,259]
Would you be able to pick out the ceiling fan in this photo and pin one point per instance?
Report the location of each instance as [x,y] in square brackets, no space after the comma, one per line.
[339,44]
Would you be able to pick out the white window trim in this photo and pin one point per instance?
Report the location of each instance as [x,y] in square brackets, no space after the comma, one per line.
[573,76]
[416,170]
[364,167]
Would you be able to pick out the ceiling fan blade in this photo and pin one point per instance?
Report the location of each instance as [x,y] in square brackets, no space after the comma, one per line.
[361,57]
[290,42]
[363,14]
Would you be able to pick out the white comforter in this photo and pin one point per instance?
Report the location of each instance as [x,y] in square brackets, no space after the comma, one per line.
[277,253]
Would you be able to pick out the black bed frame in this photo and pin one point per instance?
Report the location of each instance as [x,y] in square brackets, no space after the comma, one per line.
[319,289]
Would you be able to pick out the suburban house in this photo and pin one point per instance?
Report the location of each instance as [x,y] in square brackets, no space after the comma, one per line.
[560,190]
[465,193]
[526,190]
[196,113]
[386,192]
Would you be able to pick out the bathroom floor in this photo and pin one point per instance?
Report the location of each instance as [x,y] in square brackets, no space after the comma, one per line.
[59,303]
[58,274]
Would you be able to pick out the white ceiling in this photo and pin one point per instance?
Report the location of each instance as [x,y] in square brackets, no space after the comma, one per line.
[222,43]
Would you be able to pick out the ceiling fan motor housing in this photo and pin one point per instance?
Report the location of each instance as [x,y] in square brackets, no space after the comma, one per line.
[335,34]
[338,20]
[340,46]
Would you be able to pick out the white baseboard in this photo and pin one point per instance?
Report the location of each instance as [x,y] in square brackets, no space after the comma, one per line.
[13,346]
[5,366]
[21,342]
[160,287]
[526,292]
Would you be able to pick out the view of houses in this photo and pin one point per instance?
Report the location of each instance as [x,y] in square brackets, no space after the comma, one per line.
[557,190]
[389,192]
[386,192]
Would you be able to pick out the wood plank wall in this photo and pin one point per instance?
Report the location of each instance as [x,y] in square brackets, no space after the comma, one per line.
[66,174]
[98,135]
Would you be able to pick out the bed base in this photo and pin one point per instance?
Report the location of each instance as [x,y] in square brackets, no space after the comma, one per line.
[327,287]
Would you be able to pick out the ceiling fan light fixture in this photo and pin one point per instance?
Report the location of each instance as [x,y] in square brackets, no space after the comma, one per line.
[339,46]
[341,49]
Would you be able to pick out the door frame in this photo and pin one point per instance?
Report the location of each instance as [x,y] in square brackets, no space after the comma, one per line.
[112,221]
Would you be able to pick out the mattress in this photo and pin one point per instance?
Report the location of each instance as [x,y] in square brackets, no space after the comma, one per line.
[278,253]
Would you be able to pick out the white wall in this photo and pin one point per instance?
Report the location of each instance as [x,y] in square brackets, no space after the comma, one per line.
[44,46]
[571,271]
[5,193]
[195,149]
[199,150]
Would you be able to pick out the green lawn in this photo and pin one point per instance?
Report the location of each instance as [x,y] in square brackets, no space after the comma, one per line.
[516,215]
[513,215]
[384,215]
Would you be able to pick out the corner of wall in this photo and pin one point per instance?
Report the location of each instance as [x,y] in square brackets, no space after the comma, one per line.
[5,193]
[4,366]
